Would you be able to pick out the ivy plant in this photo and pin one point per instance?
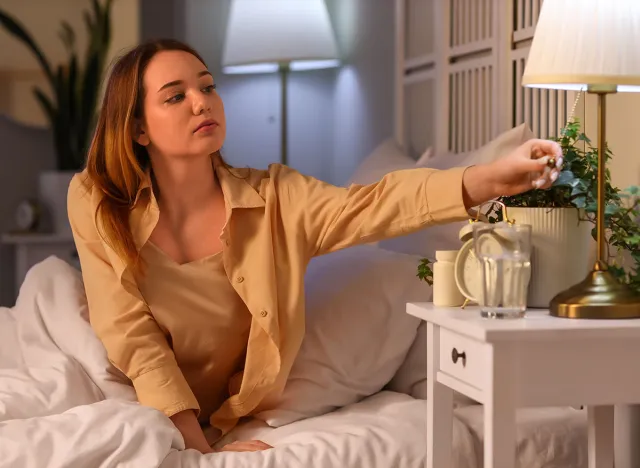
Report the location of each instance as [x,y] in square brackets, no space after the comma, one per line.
[577,187]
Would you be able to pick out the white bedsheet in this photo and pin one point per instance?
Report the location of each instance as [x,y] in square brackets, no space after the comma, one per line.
[63,405]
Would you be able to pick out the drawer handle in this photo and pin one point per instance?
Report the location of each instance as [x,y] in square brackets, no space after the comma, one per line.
[455,355]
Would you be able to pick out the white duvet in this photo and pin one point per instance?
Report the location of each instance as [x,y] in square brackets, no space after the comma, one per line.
[63,405]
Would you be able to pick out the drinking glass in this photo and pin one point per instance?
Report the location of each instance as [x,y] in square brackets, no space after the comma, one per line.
[503,251]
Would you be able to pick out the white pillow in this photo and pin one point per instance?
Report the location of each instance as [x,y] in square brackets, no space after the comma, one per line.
[387,157]
[357,331]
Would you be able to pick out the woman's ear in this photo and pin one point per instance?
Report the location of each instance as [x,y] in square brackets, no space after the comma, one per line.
[140,135]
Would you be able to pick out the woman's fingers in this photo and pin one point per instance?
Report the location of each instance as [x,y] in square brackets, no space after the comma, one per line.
[246,446]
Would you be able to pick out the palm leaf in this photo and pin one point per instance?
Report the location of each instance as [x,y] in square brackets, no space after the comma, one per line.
[17,30]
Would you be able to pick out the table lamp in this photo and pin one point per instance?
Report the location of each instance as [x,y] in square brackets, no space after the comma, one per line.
[590,45]
[267,36]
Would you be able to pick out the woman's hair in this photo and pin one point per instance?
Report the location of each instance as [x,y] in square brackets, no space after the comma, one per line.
[116,163]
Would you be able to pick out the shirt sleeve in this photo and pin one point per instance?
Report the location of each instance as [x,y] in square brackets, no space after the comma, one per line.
[134,342]
[402,202]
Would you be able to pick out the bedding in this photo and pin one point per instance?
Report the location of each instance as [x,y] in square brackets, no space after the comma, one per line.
[63,405]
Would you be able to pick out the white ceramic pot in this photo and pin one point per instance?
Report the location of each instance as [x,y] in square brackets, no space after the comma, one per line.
[52,192]
[562,250]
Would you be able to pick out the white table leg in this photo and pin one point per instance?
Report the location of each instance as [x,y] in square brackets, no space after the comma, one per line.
[440,408]
[600,436]
[499,411]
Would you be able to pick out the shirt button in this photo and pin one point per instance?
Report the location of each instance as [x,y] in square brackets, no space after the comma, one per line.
[240,279]
[264,313]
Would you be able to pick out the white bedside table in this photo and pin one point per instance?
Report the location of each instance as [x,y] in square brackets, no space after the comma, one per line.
[535,361]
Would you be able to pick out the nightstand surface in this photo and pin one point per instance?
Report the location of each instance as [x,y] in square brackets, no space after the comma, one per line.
[537,325]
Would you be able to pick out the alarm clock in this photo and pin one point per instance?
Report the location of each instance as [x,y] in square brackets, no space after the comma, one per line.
[27,215]
[467,267]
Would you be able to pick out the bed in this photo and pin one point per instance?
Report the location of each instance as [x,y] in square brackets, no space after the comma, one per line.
[352,401]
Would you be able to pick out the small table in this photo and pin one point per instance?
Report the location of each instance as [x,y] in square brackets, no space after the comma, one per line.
[539,360]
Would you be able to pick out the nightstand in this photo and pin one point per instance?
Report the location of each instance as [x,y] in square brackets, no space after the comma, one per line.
[34,248]
[538,360]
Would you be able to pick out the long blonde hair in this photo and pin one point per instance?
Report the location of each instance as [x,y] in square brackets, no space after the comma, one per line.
[116,163]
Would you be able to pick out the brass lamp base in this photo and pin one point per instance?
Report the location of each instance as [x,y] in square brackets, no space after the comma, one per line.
[599,296]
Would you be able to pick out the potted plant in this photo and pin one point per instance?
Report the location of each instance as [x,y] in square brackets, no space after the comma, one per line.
[75,87]
[563,219]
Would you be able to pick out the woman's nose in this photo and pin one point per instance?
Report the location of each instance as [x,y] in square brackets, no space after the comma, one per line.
[199,105]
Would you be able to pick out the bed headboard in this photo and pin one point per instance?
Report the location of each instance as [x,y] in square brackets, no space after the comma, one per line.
[459,65]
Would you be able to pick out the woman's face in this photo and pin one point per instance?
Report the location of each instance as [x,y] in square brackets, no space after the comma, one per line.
[183,114]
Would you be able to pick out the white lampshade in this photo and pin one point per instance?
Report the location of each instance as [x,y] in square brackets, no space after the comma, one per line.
[263,34]
[586,43]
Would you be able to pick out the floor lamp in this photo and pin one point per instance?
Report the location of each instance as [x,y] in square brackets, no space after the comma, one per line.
[269,36]
[590,45]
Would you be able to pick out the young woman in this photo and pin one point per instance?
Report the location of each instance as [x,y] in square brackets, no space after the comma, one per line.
[194,270]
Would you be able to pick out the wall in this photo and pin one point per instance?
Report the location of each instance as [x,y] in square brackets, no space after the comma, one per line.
[623,115]
[363,94]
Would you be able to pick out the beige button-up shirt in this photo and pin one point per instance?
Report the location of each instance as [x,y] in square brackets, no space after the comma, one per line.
[278,219]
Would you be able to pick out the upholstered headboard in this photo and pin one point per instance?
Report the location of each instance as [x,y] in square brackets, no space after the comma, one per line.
[459,65]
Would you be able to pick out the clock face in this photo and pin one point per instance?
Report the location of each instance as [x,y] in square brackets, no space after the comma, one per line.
[26,215]
[468,269]
[467,272]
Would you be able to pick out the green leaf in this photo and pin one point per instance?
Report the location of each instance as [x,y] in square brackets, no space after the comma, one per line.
[566,178]
[16,29]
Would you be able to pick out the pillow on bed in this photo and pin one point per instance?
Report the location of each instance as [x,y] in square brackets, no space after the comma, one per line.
[387,157]
[357,331]
[445,237]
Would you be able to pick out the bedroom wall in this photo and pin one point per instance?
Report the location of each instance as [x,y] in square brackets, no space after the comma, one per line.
[336,117]
[623,117]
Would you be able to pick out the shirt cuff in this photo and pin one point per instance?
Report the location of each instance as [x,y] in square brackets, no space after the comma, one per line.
[444,193]
[166,389]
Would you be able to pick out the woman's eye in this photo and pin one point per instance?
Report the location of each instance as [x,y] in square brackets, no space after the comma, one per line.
[177,98]
[210,88]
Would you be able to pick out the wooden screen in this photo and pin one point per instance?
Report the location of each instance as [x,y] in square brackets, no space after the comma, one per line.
[459,66]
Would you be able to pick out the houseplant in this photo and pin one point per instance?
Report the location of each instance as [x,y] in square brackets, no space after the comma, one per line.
[563,256]
[575,190]
[70,106]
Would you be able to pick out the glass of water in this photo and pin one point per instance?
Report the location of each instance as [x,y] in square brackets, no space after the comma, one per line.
[503,251]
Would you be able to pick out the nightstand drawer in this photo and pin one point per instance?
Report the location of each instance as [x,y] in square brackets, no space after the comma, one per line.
[463,358]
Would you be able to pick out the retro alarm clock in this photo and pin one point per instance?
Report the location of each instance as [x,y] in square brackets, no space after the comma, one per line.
[27,215]
[467,267]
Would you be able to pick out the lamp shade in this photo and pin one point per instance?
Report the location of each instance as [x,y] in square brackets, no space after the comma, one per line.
[264,34]
[582,44]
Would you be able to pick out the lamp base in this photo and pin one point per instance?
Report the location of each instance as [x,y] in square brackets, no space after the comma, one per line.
[599,296]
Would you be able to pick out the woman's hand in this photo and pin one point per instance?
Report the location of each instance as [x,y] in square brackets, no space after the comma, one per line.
[187,423]
[245,446]
[525,169]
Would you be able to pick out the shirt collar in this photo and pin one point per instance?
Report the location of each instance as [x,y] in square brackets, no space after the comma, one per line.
[236,187]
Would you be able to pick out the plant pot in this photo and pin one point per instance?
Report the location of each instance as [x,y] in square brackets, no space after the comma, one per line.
[562,250]
[52,192]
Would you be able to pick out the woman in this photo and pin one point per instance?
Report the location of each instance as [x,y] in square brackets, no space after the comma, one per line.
[194,270]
